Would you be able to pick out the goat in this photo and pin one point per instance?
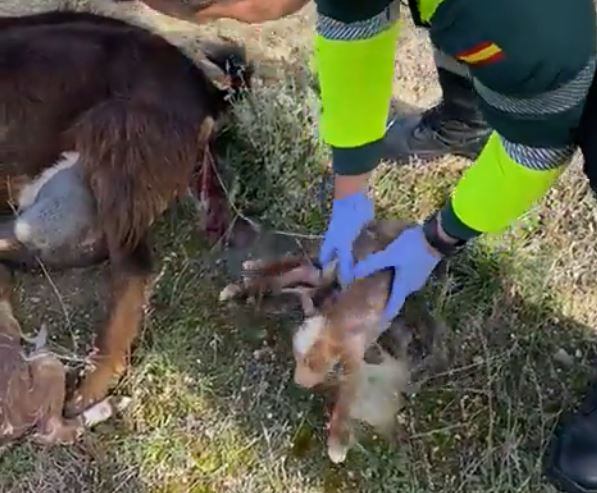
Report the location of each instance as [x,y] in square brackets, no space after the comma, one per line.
[101,126]
[341,327]
[33,386]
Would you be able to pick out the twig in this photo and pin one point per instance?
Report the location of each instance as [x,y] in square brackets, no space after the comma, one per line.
[60,301]
[418,436]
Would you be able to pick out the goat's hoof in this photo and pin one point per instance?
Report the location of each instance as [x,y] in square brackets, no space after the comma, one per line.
[92,390]
[337,451]
[230,292]
[78,403]
[104,410]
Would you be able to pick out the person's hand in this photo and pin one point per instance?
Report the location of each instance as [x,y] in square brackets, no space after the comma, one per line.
[349,215]
[412,259]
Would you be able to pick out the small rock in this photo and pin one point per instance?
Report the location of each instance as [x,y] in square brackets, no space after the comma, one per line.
[563,358]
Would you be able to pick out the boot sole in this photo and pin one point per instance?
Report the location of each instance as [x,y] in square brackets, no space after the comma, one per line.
[557,479]
[555,476]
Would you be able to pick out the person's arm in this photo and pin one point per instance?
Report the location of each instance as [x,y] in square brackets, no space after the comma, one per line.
[249,11]
[354,56]
[354,60]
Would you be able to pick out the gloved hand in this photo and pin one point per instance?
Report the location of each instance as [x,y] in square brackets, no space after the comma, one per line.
[349,215]
[413,261]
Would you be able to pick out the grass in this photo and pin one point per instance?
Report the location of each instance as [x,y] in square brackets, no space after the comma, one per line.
[215,409]
[273,152]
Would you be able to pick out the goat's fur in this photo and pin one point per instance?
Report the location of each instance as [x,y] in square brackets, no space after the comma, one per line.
[32,387]
[341,327]
[188,38]
[134,117]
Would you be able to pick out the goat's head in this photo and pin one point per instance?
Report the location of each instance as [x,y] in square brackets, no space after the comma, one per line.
[318,347]
[315,353]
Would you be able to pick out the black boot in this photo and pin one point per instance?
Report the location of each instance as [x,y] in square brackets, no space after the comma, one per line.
[454,126]
[572,459]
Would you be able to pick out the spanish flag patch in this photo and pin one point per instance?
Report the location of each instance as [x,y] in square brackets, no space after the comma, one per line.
[481,54]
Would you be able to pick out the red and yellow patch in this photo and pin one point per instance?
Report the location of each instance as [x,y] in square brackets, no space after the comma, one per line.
[481,54]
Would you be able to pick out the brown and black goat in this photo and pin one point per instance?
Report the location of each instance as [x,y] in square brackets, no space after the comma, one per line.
[101,127]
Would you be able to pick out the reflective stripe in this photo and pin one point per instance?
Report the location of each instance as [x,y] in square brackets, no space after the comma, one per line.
[558,100]
[449,63]
[538,158]
[333,29]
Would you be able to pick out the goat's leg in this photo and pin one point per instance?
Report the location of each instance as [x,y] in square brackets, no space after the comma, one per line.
[340,434]
[43,399]
[294,275]
[49,391]
[131,275]
[47,396]
[10,327]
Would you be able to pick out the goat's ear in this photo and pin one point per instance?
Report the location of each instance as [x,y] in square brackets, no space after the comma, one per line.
[206,129]
[215,74]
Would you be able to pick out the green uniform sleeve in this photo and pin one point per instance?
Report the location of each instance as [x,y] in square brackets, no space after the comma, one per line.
[354,60]
[495,191]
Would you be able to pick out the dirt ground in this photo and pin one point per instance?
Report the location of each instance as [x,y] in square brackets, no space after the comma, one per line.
[214,407]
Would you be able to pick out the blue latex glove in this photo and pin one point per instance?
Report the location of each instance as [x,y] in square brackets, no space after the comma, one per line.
[411,257]
[349,215]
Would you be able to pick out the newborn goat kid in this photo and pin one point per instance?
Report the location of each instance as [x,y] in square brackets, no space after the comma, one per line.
[340,328]
[32,387]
